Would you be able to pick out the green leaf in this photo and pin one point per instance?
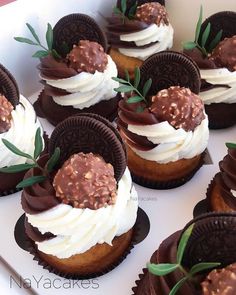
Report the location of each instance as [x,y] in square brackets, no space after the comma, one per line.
[205,35]
[136,77]
[33,32]
[127,75]
[215,41]
[55,54]
[116,10]
[25,40]
[147,86]
[161,269]
[178,286]
[15,150]
[123,6]
[65,48]
[134,99]
[198,27]
[132,10]
[230,145]
[30,181]
[124,89]
[203,266]
[38,143]
[40,53]
[49,36]
[122,81]
[17,168]
[183,242]
[139,109]
[53,160]
[189,45]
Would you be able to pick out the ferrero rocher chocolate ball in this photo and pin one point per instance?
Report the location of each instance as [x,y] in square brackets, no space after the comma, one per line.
[87,57]
[86,181]
[5,114]
[152,13]
[220,281]
[224,55]
[179,106]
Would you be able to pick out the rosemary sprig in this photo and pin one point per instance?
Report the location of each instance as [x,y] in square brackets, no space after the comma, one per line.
[127,86]
[166,268]
[201,43]
[45,51]
[231,145]
[123,12]
[38,148]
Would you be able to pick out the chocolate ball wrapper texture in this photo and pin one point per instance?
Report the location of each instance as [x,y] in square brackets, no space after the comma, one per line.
[8,181]
[162,185]
[139,233]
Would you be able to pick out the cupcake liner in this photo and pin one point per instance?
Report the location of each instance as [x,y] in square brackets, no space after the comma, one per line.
[138,282]
[27,244]
[224,123]
[167,184]
[11,191]
[200,208]
[37,106]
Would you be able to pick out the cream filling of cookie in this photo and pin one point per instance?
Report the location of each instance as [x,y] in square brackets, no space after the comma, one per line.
[163,34]
[219,94]
[77,230]
[87,89]
[22,134]
[173,144]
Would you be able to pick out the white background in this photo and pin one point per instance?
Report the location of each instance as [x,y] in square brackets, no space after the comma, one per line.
[168,210]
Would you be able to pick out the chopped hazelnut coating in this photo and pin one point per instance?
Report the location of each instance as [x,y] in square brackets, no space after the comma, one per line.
[179,106]
[152,13]
[220,281]
[86,181]
[224,55]
[87,57]
[5,114]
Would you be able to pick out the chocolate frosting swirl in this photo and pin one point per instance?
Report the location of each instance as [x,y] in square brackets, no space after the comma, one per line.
[40,196]
[226,179]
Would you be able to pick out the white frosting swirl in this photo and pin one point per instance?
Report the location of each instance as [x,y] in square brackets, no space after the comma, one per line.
[24,124]
[87,89]
[233,193]
[78,230]
[173,144]
[219,94]
[163,34]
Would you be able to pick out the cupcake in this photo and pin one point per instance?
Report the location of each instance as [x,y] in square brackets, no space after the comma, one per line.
[136,30]
[214,50]
[200,260]
[76,71]
[164,124]
[81,210]
[18,125]
[221,192]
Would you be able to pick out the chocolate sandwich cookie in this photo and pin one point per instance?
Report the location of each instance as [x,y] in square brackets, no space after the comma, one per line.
[213,239]
[8,86]
[83,133]
[170,68]
[72,28]
[224,20]
[131,3]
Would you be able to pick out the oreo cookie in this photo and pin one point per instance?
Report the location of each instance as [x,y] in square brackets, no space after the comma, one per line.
[72,28]
[89,133]
[213,239]
[131,3]
[170,68]
[8,86]
[224,20]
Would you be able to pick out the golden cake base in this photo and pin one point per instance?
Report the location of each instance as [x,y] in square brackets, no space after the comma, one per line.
[97,259]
